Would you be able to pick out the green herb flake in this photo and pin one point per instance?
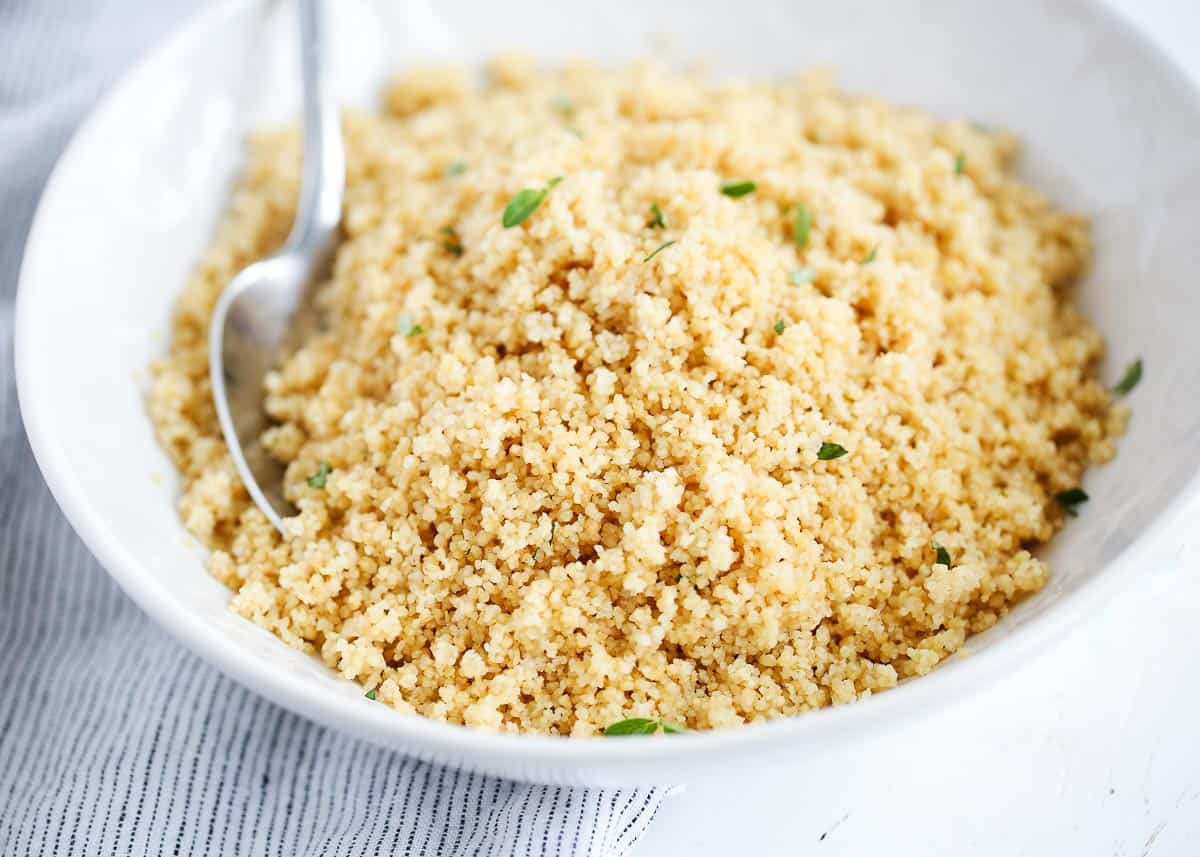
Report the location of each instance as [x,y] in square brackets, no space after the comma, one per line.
[521,206]
[803,276]
[1071,499]
[1133,374]
[563,105]
[453,243]
[943,555]
[870,257]
[645,726]
[372,694]
[317,480]
[633,726]
[830,451]
[658,221]
[407,326]
[658,250]
[737,189]
[779,327]
[801,226]
[455,169]
[960,163]
[525,203]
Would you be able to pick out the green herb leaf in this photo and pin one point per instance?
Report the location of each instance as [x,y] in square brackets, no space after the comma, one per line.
[779,327]
[1133,374]
[456,169]
[830,451]
[960,163]
[372,694]
[738,188]
[633,726]
[801,226]
[525,203]
[521,206]
[870,257]
[645,726]
[657,221]
[407,326]
[574,131]
[1071,499]
[803,276]
[317,480]
[658,250]
[452,244]
[564,105]
[943,555]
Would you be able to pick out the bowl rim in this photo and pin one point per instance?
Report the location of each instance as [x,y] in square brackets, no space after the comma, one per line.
[950,683]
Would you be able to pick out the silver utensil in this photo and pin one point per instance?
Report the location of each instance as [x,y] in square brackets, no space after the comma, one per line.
[258,313]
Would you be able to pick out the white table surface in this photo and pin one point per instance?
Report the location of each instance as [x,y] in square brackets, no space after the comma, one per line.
[1091,749]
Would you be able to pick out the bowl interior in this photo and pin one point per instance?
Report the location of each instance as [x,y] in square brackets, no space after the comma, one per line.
[138,193]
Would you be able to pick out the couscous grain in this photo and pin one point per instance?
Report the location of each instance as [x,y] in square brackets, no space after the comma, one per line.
[760,408]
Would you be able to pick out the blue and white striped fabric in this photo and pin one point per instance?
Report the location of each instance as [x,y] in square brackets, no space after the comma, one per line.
[113,739]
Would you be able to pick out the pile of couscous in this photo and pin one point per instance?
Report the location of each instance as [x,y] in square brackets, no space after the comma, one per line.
[644,396]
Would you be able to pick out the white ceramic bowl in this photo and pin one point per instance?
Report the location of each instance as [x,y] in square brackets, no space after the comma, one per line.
[1111,129]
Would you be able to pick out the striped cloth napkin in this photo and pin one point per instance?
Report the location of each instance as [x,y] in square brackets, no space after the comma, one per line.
[114,740]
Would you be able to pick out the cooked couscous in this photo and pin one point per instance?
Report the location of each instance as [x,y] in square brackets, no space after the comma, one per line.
[646,396]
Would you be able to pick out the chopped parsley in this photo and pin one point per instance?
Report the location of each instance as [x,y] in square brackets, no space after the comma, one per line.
[943,555]
[801,225]
[1071,499]
[738,188]
[960,163]
[657,221]
[779,327]
[525,203]
[453,243]
[317,480]
[372,694]
[407,326]
[830,451]
[1133,374]
[456,169]
[564,105]
[803,276]
[870,257]
[658,250]
[644,726]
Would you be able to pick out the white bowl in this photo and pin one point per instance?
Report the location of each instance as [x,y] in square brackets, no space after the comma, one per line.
[1111,129]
